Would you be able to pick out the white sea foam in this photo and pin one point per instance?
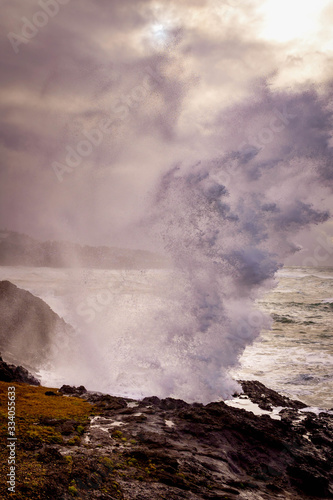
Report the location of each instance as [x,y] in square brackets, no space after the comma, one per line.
[316,410]
[245,403]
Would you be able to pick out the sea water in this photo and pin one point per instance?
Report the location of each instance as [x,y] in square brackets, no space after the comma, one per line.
[296,356]
[109,311]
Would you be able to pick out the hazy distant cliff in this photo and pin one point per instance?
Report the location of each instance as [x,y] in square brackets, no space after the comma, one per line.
[19,249]
[28,327]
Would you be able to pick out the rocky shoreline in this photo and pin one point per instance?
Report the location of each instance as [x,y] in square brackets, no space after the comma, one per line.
[168,449]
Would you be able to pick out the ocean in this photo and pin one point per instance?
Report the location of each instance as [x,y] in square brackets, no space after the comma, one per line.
[296,356]
[109,311]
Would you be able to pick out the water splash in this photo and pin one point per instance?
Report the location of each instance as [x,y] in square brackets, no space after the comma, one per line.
[226,225]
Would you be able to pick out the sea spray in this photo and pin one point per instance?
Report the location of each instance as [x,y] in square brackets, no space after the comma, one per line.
[220,269]
[226,225]
[228,235]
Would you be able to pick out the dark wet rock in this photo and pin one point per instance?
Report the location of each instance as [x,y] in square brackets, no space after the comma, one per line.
[51,393]
[57,478]
[309,481]
[107,402]
[135,418]
[73,391]
[152,439]
[68,427]
[12,373]
[267,398]
[169,449]
[152,400]
[289,414]
[50,454]
[165,404]
[22,375]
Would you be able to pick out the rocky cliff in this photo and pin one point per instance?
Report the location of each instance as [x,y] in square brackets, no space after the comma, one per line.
[75,443]
[27,327]
[12,373]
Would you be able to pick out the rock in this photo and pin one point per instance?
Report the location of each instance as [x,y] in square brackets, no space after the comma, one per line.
[167,448]
[68,427]
[266,398]
[73,391]
[49,454]
[107,402]
[12,373]
[27,327]
[309,481]
[165,404]
[22,375]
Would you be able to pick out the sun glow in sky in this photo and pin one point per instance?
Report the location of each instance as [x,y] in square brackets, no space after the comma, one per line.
[159,34]
[158,30]
[286,20]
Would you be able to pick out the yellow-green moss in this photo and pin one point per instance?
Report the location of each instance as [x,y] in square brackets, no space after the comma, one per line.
[80,429]
[32,405]
[74,441]
[41,434]
[72,489]
[69,460]
[107,462]
[117,434]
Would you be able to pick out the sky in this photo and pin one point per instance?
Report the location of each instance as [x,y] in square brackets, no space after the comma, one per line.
[100,99]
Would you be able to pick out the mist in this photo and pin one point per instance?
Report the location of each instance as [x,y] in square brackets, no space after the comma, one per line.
[181,129]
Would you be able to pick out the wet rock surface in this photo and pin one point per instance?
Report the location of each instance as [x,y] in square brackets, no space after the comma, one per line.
[168,449]
[267,398]
[12,373]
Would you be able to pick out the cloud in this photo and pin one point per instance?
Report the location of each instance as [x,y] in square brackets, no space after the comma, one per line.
[86,61]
